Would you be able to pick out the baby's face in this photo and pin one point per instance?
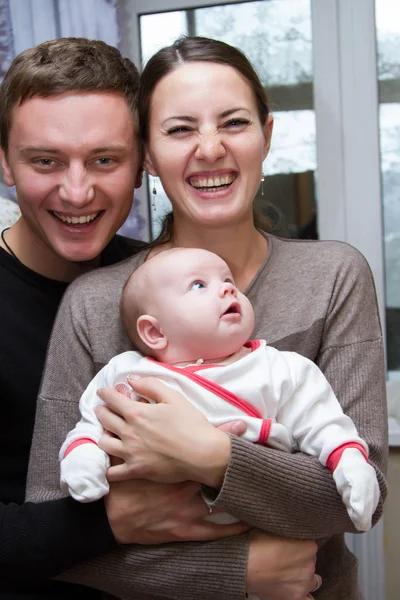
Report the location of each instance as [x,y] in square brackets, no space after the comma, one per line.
[199,308]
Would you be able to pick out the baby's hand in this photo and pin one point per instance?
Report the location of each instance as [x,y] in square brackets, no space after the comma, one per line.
[357,484]
[83,473]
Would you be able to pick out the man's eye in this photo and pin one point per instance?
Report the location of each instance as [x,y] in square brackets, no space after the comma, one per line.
[197,285]
[45,162]
[104,161]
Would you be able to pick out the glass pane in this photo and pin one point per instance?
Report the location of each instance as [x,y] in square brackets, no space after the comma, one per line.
[388,40]
[276,36]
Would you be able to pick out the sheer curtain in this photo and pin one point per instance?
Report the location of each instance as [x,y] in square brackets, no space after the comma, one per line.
[35,21]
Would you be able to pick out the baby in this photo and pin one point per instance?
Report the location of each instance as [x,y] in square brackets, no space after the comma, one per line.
[183,311]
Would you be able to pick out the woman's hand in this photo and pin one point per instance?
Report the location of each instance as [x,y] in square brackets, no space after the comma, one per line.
[168,441]
[144,512]
[280,568]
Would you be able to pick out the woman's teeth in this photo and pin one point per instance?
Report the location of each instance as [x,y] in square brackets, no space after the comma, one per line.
[76,220]
[212,182]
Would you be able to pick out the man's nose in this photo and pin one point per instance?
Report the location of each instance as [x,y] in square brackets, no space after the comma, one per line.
[210,147]
[76,187]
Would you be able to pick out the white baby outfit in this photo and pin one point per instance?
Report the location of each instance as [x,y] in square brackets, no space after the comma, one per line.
[284,398]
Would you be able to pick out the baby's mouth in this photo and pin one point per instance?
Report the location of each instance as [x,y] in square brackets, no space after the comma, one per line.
[233,309]
[216,182]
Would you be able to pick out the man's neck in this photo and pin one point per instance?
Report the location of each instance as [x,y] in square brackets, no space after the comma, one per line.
[36,255]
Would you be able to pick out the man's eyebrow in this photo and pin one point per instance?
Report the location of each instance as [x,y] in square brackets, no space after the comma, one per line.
[48,150]
[44,149]
[110,148]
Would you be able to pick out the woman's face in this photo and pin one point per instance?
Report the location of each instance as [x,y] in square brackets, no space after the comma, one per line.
[206,143]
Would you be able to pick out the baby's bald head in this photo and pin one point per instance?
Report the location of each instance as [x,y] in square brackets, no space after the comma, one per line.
[182,304]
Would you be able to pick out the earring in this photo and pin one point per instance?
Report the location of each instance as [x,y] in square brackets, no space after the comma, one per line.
[154,192]
[262,183]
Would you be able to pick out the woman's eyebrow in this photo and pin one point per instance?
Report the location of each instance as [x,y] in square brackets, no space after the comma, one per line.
[189,119]
[186,118]
[230,111]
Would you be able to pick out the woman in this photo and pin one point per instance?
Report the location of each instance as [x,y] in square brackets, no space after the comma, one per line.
[206,129]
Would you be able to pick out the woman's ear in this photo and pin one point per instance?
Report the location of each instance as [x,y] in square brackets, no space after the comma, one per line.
[7,173]
[148,164]
[268,128]
[139,178]
[150,333]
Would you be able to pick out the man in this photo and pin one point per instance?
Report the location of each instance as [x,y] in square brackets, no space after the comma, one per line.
[69,145]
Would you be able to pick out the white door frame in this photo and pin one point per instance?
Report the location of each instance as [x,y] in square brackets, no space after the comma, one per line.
[348,176]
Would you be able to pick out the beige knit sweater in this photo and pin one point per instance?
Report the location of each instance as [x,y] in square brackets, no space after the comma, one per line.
[315,298]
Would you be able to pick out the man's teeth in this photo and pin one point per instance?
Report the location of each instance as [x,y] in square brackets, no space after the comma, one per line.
[212,182]
[76,220]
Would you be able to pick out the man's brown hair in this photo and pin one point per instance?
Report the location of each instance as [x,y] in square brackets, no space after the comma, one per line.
[66,65]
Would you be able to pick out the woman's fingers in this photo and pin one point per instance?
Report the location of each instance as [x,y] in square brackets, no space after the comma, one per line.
[155,390]
[118,473]
[112,445]
[116,401]
[234,427]
[169,440]
[110,420]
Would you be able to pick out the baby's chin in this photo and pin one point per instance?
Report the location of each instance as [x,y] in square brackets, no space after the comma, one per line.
[214,351]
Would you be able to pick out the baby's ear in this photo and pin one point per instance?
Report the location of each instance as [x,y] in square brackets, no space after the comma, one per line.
[150,332]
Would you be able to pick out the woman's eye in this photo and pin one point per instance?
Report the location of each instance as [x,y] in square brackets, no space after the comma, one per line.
[179,129]
[197,285]
[236,123]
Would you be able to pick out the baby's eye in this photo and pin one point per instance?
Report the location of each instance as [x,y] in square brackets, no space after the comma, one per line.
[197,285]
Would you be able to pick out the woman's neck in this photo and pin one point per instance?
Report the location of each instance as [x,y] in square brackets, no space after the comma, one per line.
[242,247]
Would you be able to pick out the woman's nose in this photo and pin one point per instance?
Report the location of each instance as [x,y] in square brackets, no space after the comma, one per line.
[210,147]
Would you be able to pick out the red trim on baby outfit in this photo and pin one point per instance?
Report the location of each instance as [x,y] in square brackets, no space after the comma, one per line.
[264,431]
[216,389]
[77,443]
[195,368]
[252,344]
[336,455]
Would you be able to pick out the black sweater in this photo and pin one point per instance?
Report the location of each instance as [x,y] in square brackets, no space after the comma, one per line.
[37,541]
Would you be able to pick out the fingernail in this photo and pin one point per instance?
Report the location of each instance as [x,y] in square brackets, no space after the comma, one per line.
[100,393]
[237,428]
[134,377]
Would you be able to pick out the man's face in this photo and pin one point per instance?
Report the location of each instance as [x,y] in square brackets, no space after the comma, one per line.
[74,160]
